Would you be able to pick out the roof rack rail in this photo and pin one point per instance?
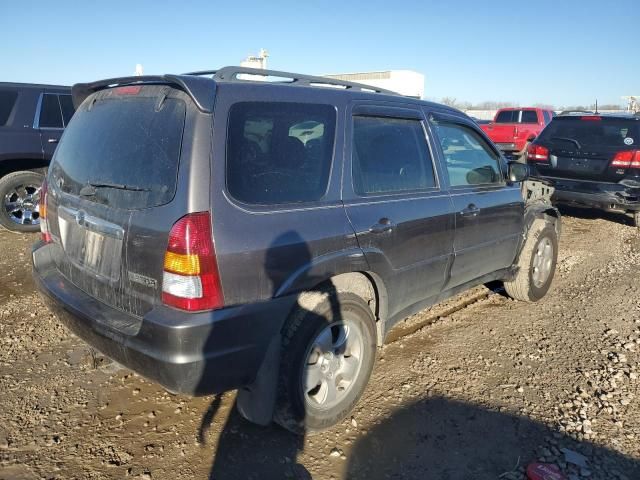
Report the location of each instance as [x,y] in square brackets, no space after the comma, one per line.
[201,73]
[289,78]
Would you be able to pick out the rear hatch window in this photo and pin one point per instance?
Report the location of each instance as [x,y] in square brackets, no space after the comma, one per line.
[122,148]
[601,132]
[583,147]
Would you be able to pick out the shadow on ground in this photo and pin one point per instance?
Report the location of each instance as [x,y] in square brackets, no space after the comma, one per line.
[248,451]
[435,438]
[443,439]
[594,214]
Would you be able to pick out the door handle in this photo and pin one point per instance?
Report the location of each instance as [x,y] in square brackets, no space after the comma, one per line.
[384,225]
[470,211]
[52,140]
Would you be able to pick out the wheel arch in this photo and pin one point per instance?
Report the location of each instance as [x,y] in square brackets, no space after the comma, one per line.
[367,285]
[543,211]
[37,165]
[539,211]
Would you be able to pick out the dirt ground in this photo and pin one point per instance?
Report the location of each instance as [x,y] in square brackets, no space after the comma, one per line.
[476,388]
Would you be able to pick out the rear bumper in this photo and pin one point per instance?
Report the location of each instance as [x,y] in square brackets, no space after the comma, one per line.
[507,147]
[192,353]
[601,195]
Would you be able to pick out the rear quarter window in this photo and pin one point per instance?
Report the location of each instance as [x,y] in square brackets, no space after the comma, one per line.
[279,152]
[7,102]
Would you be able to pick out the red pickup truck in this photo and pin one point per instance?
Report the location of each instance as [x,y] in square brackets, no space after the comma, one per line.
[513,129]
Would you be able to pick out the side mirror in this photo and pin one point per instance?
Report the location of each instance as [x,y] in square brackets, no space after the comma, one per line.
[518,172]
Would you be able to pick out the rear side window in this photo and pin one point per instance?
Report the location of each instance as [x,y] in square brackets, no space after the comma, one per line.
[468,157]
[564,132]
[66,103]
[50,113]
[547,117]
[7,101]
[517,116]
[529,116]
[127,147]
[390,155]
[279,152]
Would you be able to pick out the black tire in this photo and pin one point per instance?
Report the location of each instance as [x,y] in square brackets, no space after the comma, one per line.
[293,409]
[636,219]
[523,287]
[8,186]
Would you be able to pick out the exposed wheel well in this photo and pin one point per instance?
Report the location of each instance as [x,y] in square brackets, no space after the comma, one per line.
[364,284]
[552,215]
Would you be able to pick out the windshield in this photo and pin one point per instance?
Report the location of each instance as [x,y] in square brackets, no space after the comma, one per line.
[122,150]
[604,132]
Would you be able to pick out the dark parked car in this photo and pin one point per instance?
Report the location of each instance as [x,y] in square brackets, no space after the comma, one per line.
[592,159]
[221,233]
[32,118]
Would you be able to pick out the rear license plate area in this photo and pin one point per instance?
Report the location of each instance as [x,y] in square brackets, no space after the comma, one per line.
[580,165]
[91,244]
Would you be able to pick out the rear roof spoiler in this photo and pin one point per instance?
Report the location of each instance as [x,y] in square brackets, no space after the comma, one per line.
[200,89]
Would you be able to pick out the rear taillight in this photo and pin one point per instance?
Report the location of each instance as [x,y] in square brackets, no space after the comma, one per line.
[626,159]
[591,118]
[537,153]
[42,213]
[190,280]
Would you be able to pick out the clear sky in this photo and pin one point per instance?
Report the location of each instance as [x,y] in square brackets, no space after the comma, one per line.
[561,52]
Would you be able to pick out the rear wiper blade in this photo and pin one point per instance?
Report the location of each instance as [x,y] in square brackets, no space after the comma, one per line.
[90,188]
[566,139]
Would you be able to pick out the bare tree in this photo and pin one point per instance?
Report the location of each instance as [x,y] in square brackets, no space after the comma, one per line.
[544,106]
[449,101]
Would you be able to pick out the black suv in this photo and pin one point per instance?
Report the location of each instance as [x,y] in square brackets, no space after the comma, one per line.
[213,232]
[592,159]
[32,118]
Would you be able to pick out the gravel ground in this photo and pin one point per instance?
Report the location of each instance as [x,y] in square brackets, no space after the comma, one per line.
[475,388]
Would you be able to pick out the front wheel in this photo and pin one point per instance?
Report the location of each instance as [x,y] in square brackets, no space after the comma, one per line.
[20,197]
[536,264]
[328,352]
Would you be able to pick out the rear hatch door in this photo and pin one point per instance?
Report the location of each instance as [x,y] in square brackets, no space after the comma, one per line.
[582,148]
[111,181]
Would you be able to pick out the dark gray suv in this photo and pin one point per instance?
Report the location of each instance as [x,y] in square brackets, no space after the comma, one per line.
[32,119]
[214,232]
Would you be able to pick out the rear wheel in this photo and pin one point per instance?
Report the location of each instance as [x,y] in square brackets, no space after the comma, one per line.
[20,197]
[328,352]
[536,265]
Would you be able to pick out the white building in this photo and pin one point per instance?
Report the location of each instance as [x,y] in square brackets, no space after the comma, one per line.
[255,61]
[404,82]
